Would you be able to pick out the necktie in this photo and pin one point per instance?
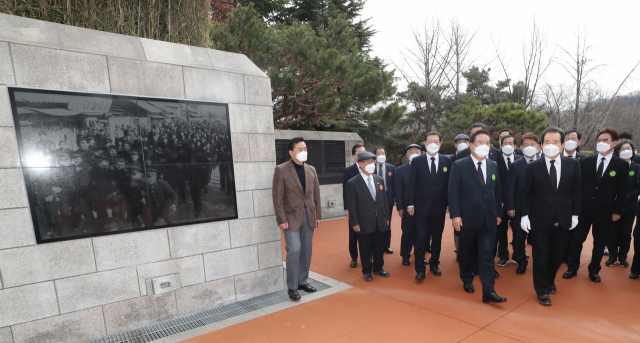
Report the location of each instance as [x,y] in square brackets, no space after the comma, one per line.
[508,162]
[481,175]
[531,160]
[373,192]
[433,167]
[554,175]
[600,169]
[380,170]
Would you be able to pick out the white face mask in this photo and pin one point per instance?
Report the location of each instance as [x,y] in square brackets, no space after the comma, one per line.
[551,150]
[462,146]
[508,149]
[482,151]
[370,168]
[530,151]
[626,154]
[301,156]
[381,159]
[603,147]
[570,145]
[433,148]
[413,156]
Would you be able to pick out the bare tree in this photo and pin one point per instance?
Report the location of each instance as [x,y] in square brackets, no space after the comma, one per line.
[459,40]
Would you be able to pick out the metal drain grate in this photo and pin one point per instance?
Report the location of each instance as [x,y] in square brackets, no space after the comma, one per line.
[186,323]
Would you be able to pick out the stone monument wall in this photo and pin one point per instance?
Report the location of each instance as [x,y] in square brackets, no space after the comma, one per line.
[84,289]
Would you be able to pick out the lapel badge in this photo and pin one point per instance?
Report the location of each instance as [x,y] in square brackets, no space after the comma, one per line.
[493,177]
[389,173]
[445,169]
[381,188]
[612,173]
[632,173]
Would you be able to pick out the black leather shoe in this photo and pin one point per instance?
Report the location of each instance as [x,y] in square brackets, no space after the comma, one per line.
[526,255]
[553,289]
[594,277]
[382,273]
[624,263]
[496,274]
[420,276]
[354,263]
[503,262]
[307,288]
[493,298]
[368,277]
[609,263]
[293,294]
[544,300]
[405,262]
[634,276]
[521,269]
[426,262]
[388,251]
[436,271]
[468,287]
[569,274]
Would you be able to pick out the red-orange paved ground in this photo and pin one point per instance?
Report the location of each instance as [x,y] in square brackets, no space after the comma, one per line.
[400,309]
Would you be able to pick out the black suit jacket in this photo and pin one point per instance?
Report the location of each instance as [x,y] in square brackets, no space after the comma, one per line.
[540,201]
[519,152]
[633,188]
[363,210]
[607,197]
[402,185]
[636,159]
[494,154]
[504,173]
[349,172]
[467,198]
[427,194]
[515,179]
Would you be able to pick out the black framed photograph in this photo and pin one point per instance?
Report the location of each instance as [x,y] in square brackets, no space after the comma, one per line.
[98,164]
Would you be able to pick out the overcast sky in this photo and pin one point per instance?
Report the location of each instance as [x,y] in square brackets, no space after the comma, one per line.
[611,27]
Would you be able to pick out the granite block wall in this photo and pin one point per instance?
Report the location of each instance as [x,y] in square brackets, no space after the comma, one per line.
[84,289]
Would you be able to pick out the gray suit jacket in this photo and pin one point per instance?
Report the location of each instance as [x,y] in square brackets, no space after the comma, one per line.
[363,210]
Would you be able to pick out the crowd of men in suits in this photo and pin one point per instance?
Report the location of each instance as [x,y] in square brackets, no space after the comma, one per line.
[549,193]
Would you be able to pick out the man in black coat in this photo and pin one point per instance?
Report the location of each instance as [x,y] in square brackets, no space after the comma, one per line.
[494,153]
[402,186]
[501,249]
[349,173]
[550,208]
[572,142]
[475,199]
[369,214]
[604,190]
[513,205]
[508,132]
[427,201]
[387,172]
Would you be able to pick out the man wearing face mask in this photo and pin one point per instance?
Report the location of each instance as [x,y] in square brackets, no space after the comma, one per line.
[402,186]
[461,142]
[550,208]
[350,172]
[475,199]
[508,132]
[530,151]
[369,214]
[494,154]
[387,172]
[427,201]
[604,190]
[501,249]
[513,204]
[573,139]
[296,201]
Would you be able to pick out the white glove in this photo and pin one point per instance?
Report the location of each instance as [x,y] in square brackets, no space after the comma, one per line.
[574,222]
[525,225]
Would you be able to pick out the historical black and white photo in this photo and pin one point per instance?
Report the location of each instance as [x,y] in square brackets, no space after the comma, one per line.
[99,164]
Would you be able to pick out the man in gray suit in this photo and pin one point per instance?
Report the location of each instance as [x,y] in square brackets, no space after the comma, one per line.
[369,214]
[296,200]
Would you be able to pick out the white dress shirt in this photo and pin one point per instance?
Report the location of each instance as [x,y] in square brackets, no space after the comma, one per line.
[512,157]
[366,180]
[483,166]
[607,159]
[575,153]
[437,158]
[558,165]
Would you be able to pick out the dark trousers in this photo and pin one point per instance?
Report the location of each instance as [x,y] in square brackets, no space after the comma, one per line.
[635,267]
[548,253]
[386,239]
[353,244]
[428,225]
[371,243]
[407,241]
[501,247]
[619,236]
[519,242]
[485,239]
[599,232]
